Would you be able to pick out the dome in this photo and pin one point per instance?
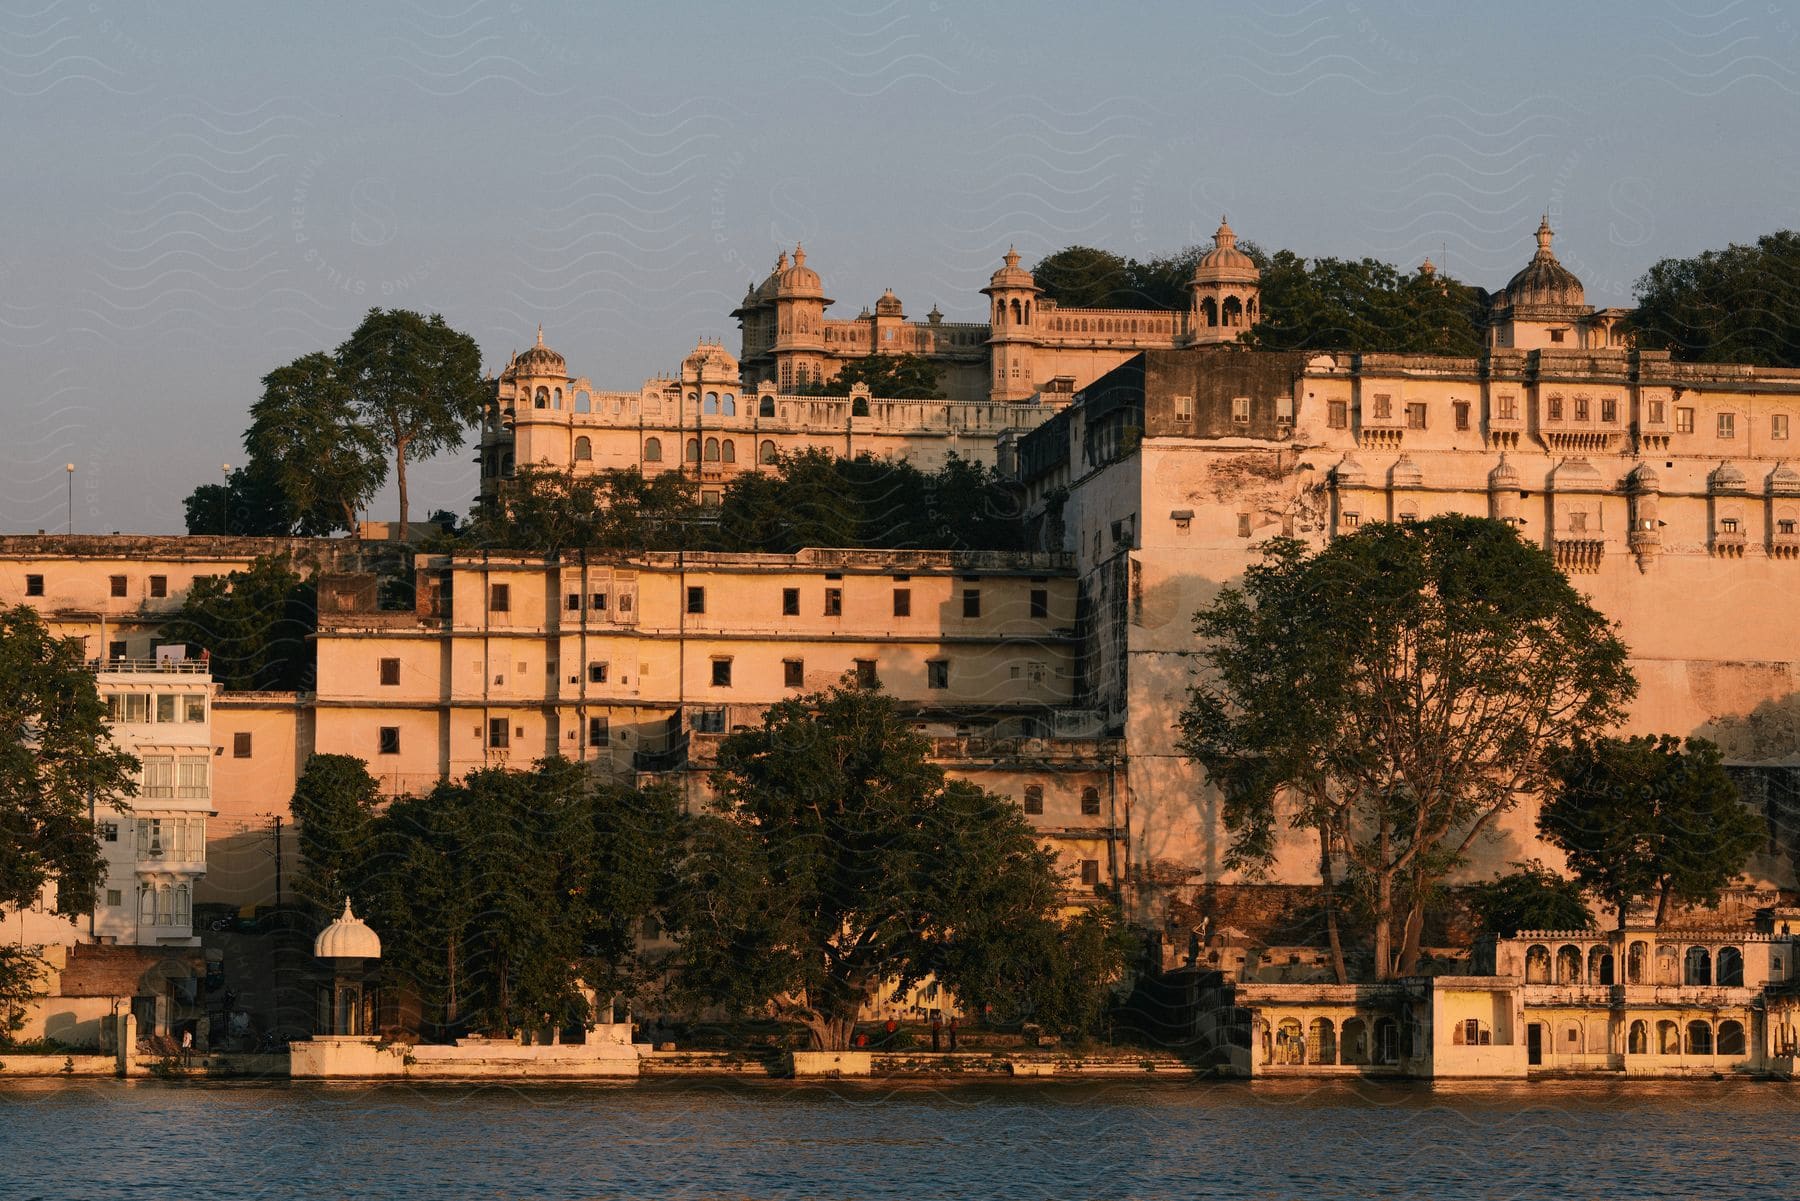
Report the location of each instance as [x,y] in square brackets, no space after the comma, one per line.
[1784,481]
[1348,473]
[1225,263]
[1643,478]
[540,360]
[347,938]
[888,305]
[798,281]
[1544,281]
[1576,475]
[1011,276]
[1503,476]
[1727,478]
[710,360]
[1406,474]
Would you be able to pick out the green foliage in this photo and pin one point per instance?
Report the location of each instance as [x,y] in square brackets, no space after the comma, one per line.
[552,511]
[334,807]
[56,758]
[1398,691]
[1642,817]
[251,503]
[837,863]
[1086,278]
[1737,305]
[1532,897]
[306,435]
[893,376]
[253,625]
[499,896]
[1363,305]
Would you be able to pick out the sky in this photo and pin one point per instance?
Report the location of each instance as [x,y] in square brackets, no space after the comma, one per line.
[193,195]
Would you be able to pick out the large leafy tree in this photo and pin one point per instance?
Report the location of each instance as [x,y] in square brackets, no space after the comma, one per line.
[1396,692]
[250,503]
[252,624]
[1363,305]
[894,376]
[1530,897]
[414,382]
[836,863]
[1086,278]
[552,511]
[306,435]
[56,761]
[1737,305]
[333,806]
[1645,817]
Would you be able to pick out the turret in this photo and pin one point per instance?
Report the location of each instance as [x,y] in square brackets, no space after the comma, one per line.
[800,304]
[1226,291]
[1012,293]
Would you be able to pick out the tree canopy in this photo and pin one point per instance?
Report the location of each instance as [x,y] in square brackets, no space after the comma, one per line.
[334,806]
[308,437]
[1364,305]
[551,511]
[1087,278]
[837,864]
[1737,305]
[250,503]
[1645,817]
[252,624]
[895,376]
[1531,897]
[1396,691]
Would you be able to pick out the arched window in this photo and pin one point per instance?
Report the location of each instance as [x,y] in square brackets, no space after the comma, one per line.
[1638,1041]
[693,398]
[728,405]
[766,407]
[1699,1038]
[584,450]
[1034,799]
[1209,309]
[766,452]
[1321,1042]
[543,399]
[1356,1041]
[1668,1038]
[583,402]
[1090,801]
[712,450]
[728,451]
[1731,1037]
[1731,970]
[1387,1040]
[184,911]
[164,897]
[1668,965]
[147,905]
[1537,964]
[1696,966]
[556,399]
[1600,966]
[652,450]
[712,404]
[859,407]
[506,463]
[1231,313]
[693,450]
[1289,1048]
[1634,962]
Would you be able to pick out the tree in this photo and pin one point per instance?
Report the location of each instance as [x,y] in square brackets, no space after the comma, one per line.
[895,376]
[549,511]
[416,382]
[251,503]
[1531,897]
[1363,305]
[1396,692]
[836,863]
[333,806]
[306,436]
[56,761]
[252,624]
[1737,305]
[1642,817]
[1082,277]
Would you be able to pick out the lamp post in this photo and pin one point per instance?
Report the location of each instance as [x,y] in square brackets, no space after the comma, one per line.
[225,500]
[69,468]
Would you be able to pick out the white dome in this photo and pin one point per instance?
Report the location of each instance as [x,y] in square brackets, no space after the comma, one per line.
[347,938]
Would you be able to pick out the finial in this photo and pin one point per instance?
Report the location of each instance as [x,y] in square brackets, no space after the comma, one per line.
[1544,234]
[1012,256]
[540,343]
[799,255]
[781,261]
[1224,238]
[348,916]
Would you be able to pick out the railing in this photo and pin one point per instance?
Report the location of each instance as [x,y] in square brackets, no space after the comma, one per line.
[186,667]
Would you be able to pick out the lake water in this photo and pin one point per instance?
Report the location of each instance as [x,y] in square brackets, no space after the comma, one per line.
[143,1140]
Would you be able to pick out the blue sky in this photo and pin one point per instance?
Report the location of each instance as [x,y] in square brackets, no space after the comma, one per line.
[196,194]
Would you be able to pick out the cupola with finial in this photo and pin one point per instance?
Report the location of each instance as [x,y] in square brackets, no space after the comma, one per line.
[1226,291]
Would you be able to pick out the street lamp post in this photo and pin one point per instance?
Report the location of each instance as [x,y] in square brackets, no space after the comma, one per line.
[225,500]
[70,469]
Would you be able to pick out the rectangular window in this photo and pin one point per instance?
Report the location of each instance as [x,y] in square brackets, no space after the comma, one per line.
[1243,525]
[865,673]
[1554,407]
[1656,412]
[190,779]
[390,672]
[793,673]
[903,602]
[599,731]
[117,584]
[1609,409]
[937,673]
[573,603]
[137,706]
[500,598]
[1040,602]
[240,744]
[1684,420]
[499,733]
[110,832]
[193,707]
[971,602]
[696,600]
[34,585]
[790,602]
[1284,410]
[597,602]
[159,777]
[116,650]
[1034,799]
[1461,409]
[389,743]
[1778,425]
[159,585]
[1556,335]
[1785,526]
[1184,408]
[1415,416]
[1384,405]
[721,673]
[1240,410]
[596,673]
[1578,523]
[1090,871]
[1509,408]
[165,706]
[1337,415]
[114,899]
[1727,425]
[709,721]
[1728,525]
[834,602]
[1581,408]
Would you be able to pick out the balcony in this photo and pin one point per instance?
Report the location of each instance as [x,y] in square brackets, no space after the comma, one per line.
[161,667]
